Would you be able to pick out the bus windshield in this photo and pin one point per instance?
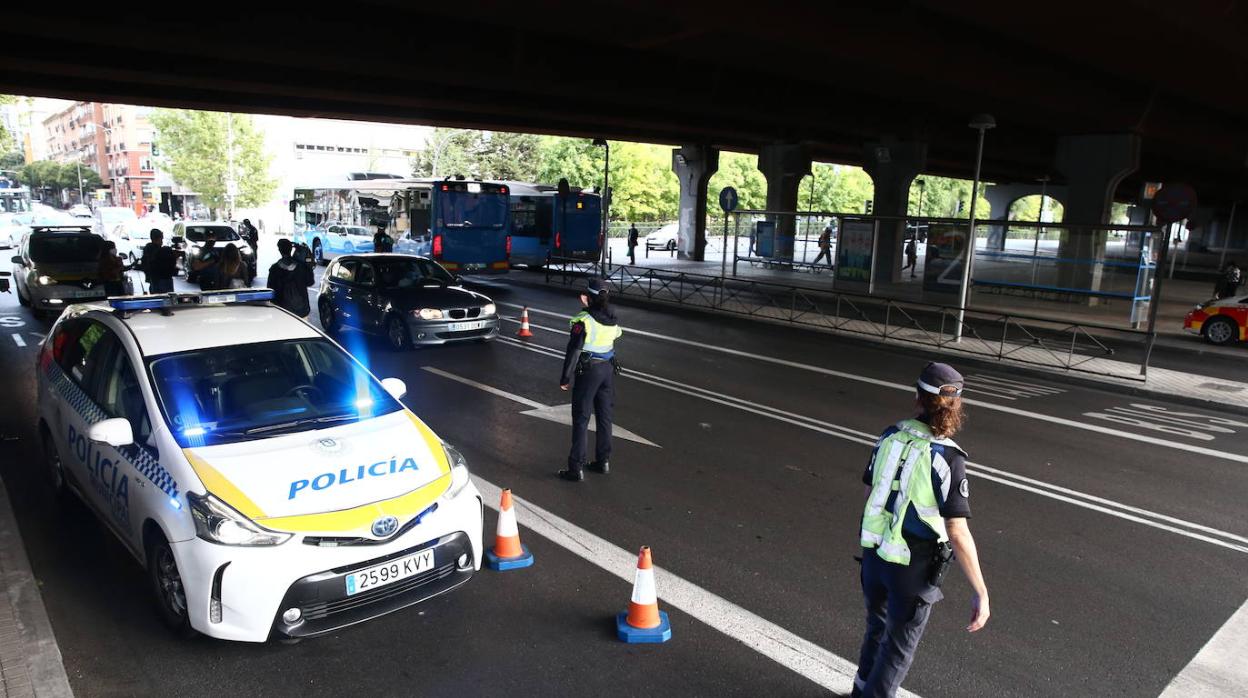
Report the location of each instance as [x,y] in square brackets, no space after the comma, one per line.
[462,209]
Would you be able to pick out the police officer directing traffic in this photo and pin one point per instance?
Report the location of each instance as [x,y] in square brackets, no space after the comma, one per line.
[591,357]
[913,524]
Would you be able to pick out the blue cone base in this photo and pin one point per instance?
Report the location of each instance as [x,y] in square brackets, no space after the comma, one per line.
[627,633]
[502,564]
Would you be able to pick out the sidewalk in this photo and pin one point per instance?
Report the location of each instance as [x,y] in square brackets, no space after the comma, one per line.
[1178,295]
[30,661]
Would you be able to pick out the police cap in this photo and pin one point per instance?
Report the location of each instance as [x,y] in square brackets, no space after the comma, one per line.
[940,379]
[596,286]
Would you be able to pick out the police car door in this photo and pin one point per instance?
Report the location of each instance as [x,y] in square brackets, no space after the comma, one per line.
[80,349]
[136,482]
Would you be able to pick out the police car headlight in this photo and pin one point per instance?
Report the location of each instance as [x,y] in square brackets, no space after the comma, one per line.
[45,281]
[428,314]
[489,309]
[216,522]
[459,471]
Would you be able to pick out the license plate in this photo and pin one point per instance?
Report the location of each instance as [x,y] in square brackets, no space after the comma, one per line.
[466,326]
[87,293]
[474,265]
[389,573]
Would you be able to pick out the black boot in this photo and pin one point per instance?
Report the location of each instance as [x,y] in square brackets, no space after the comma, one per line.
[573,473]
[600,466]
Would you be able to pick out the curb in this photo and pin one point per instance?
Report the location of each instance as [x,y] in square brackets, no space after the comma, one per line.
[30,660]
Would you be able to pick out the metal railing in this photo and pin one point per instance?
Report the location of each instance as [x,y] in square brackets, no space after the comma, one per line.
[1082,347]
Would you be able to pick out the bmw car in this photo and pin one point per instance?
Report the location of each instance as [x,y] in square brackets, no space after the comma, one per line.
[408,300]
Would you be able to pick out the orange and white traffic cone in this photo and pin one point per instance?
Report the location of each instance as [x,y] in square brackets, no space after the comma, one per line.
[643,622]
[508,553]
[524,324]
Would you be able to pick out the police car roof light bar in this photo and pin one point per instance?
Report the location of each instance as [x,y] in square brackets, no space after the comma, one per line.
[167,301]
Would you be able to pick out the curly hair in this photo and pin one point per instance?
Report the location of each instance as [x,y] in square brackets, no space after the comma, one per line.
[943,413]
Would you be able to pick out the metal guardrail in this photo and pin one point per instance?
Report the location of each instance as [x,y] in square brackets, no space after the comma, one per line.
[1000,336]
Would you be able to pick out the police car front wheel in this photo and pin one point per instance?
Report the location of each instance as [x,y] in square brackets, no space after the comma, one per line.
[167,585]
[52,464]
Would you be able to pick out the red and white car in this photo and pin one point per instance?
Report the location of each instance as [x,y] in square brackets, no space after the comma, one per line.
[1220,321]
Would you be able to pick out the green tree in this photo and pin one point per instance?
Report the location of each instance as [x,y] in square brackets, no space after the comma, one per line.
[197,147]
[7,142]
[511,156]
[449,152]
[739,171]
[942,196]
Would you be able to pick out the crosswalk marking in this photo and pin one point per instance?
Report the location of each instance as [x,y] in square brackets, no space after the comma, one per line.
[1007,388]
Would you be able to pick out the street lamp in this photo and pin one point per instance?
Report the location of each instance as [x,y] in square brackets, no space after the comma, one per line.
[922,185]
[981,123]
[606,201]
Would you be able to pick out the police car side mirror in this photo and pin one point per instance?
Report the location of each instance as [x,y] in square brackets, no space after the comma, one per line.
[115,432]
[396,387]
[17,259]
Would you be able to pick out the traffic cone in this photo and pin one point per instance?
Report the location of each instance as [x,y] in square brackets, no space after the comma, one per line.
[524,324]
[643,622]
[507,553]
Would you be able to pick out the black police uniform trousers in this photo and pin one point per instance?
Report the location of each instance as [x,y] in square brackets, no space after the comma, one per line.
[899,602]
[593,392]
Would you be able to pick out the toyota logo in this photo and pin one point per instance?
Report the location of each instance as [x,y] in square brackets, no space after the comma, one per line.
[385,526]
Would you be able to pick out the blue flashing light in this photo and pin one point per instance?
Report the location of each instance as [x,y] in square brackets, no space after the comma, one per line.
[243,296]
[173,502]
[364,403]
[140,303]
[194,431]
[174,300]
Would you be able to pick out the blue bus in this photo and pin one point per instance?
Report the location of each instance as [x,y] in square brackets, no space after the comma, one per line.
[341,217]
[464,225]
[546,226]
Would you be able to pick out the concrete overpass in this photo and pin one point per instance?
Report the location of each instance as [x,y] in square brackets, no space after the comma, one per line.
[1153,87]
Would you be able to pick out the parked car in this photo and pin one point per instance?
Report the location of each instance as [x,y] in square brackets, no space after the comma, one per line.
[58,266]
[407,299]
[80,211]
[130,237]
[665,238]
[188,238]
[109,217]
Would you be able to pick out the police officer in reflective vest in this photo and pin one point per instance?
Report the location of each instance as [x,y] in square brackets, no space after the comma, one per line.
[591,357]
[913,524]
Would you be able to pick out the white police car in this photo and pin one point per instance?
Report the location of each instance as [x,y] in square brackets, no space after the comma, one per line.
[270,484]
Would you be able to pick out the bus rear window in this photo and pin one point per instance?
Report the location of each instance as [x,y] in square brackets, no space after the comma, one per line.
[474,210]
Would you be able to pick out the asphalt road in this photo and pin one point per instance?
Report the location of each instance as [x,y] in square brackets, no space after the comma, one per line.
[751,493]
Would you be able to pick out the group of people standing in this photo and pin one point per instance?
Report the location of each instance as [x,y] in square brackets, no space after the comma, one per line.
[217,268]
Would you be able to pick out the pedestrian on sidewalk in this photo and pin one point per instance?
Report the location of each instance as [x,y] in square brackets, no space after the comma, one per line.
[913,524]
[159,264]
[591,357]
[825,246]
[632,244]
[1228,284]
[912,256]
[290,277]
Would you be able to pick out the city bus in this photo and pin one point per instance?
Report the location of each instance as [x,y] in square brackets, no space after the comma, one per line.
[463,225]
[547,226]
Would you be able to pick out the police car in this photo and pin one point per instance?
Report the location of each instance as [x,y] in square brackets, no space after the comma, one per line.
[269,483]
[1219,321]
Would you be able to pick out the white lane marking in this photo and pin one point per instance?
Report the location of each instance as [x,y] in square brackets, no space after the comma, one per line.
[759,634]
[11,322]
[1218,670]
[1009,388]
[532,404]
[1192,425]
[1211,452]
[1086,501]
[17,339]
[559,414]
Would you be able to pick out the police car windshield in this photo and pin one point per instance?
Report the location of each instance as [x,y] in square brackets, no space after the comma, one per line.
[252,391]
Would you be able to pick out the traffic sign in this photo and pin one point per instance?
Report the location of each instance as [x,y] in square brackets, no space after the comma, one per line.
[1174,202]
[728,199]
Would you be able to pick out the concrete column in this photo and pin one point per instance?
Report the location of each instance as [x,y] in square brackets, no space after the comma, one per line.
[1093,167]
[893,165]
[1001,196]
[783,165]
[693,165]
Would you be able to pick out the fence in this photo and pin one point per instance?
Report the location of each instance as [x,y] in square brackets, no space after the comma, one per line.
[1002,336]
